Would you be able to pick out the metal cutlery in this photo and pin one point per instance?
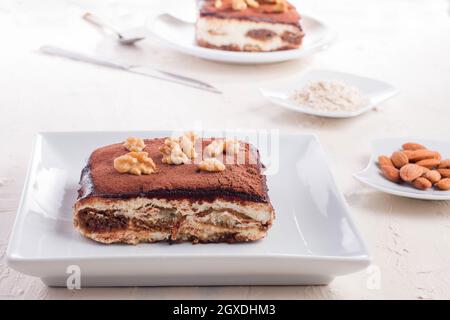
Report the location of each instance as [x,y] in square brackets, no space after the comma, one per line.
[101,23]
[141,70]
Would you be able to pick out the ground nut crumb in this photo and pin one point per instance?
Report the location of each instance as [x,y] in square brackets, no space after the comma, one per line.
[329,96]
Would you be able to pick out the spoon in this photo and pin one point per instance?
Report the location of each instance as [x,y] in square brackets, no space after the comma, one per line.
[123,39]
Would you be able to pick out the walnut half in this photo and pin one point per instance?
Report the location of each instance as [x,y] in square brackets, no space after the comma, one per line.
[252,3]
[211,165]
[134,144]
[136,163]
[215,148]
[172,152]
[231,147]
[239,5]
[278,6]
[187,144]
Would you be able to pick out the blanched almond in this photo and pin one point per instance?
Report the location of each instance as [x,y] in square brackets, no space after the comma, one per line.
[384,161]
[444,184]
[391,173]
[399,159]
[445,173]
[422,183]
[445,164]
[422,154]
[410,172]
[432,175]
[428,163]
[412,146]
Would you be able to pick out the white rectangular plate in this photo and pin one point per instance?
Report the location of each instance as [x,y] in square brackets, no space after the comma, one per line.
[313,238]
[372,176]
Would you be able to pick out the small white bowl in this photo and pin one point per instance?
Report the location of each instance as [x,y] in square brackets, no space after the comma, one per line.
[372,176]
[376,91]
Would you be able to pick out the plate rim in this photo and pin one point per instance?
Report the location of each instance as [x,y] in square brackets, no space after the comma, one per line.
[239,57]
[14,260]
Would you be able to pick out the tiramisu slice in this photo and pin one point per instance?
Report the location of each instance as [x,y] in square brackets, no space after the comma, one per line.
[184,189]
[248,25]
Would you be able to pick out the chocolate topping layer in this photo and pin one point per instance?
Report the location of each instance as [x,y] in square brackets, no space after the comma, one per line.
[238,182]
[260,14]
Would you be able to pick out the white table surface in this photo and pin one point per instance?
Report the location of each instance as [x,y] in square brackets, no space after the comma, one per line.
[403,42]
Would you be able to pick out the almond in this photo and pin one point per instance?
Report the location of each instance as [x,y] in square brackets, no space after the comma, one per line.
[422,183]
[445,173]
[428,163]
[399,159]
[412,146]
[445,164]
[410,172]
[384,161]
[425,170]
[437,156]
[409,153]
[422,154]
[444,184]
[432,175]
[391,173]
[418,165]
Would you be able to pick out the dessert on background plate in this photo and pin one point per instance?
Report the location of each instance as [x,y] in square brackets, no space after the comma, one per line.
[248,25]
[182,36]
[174,189]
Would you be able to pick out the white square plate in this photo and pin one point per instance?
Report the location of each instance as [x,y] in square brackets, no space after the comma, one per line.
[180,35]
[313,238]
[372,176]
[376,91]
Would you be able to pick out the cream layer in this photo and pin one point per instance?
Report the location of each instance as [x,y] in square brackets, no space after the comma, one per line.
[233,32]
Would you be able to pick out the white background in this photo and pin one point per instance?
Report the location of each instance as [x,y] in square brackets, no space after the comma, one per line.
[402,42]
